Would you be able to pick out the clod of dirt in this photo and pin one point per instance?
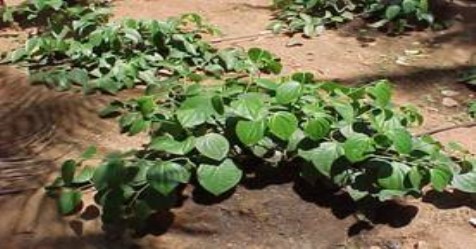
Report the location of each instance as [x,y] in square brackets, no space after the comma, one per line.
[449,102]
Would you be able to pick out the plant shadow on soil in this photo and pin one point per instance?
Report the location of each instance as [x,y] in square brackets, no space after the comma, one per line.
[391,213]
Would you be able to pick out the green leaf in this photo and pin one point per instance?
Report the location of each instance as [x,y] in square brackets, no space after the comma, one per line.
[108,175]
[345,110]
[267,84]
[219,179]
[67,171]
[89,153]
[69,201]
[250,132]
[317,128]
[168,144]
[213,146]
[138,126]
[288,92]
[250,106]
[146,105]
[415,178]
[195,111]
[440,178]
[133,35]
[218,104]
[84,176]
[323,157]
[258,55]
[303,78]
[465,182]
[381,92]
[166,176]
[79,76]
[392,12]
[357,146]
[391,175]
[283,125]
[402,140]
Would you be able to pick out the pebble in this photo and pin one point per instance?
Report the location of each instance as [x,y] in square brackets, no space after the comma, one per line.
[449,93]
[472,221]
[449,102]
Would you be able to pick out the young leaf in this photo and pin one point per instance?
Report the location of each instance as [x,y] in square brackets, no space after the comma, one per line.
[213,146]
[219,179]
[67,171]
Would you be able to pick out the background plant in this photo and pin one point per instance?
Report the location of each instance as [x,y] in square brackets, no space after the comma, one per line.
[111,56]
[312,16]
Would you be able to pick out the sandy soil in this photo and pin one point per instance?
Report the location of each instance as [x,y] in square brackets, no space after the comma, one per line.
[39,128]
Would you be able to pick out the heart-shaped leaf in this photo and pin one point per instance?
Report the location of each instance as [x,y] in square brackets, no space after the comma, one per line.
[219,179]
[283,125]
[213,146]
[250,132]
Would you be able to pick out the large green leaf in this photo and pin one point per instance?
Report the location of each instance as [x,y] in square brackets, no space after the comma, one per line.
[250,132]
[195,111]
[168,144]
[288,92]
[166,176]
[323,157]
[213,146]
[357,146]
[219,179]
[250,106]
[283,125]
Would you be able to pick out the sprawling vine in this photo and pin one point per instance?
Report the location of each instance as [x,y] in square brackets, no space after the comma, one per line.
[207,135]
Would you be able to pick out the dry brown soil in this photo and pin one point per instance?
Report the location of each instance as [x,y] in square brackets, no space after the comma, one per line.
[39,128]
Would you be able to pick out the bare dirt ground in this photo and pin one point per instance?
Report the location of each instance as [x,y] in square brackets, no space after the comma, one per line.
[39,128]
